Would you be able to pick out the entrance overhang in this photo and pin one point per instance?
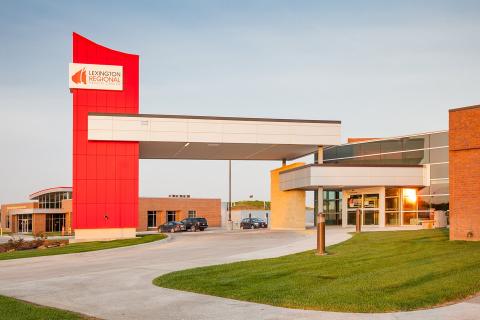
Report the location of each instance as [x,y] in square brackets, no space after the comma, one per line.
[215,138]
[314,176]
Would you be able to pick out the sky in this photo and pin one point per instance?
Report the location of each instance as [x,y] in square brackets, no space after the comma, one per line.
[384,68]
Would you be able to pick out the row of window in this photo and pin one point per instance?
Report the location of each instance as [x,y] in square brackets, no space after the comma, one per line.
[53,200]
[170,216]
[424,156]
[434,140]
[436,198]
[392,218]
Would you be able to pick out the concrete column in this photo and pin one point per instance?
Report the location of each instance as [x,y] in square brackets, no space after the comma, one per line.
[320,199]
[317,194]
[344,208]
[287,211]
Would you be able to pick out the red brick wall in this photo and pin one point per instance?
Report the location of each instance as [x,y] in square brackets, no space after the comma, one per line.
[206,208]
[464,154]
[39,222]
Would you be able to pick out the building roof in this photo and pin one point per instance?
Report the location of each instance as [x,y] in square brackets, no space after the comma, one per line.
[215,138]
[35,195]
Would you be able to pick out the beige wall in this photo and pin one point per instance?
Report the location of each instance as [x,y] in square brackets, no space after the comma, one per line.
[287,207]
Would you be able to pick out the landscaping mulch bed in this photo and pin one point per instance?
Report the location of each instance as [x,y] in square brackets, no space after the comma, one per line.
[21,244]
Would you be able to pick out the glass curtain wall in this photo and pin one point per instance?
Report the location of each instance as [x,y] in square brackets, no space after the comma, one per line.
[53,200]
[424,149]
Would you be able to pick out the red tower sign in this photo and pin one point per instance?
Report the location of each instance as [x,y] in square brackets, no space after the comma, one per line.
[105,173]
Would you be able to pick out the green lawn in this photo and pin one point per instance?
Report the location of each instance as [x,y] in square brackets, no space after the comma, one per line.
[371,272]
[81,247]
[13,309]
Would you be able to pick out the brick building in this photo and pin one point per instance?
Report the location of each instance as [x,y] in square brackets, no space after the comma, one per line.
[464,135]
[50,210]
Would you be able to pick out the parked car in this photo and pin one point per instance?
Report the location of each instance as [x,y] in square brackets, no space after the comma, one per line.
[195,224]
[253,223]
[172,226]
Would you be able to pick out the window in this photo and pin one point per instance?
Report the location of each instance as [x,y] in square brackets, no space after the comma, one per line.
[440,203]
[329,153]
[423,203]
[53,200]
[391,145]
[409,201]
[370,217]
[371,200]
[415,157]
[355,201]
[152,219]
[439,155]
[351,217]
[392,206]
[410,218]
[439,187]
[371,148]
[332,207]
[392,158]
[55,222]
[392,218]
[192,213]
[171,216]
[414,143]
[439,140]
[439,171]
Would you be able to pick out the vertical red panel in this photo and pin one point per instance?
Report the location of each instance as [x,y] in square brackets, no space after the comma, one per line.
[105,174]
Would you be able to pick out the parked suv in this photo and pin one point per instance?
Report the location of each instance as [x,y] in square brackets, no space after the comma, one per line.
[195,224]
[252,223]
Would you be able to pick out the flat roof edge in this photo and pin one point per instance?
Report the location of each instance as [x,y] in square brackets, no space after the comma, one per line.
[47,190]
[465,108]
[211,117]
[354,166]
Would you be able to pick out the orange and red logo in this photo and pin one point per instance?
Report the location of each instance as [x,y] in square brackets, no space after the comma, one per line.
[80,76]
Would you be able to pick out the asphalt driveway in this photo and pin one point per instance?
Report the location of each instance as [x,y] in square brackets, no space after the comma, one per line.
[117,283]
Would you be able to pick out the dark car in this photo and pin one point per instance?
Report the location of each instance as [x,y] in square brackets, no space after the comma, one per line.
[172,226]
[253,223]
[195,224]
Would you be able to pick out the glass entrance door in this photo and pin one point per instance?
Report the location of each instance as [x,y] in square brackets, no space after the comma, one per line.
[368,203]
[24,223]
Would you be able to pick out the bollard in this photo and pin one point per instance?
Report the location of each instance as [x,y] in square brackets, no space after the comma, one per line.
[359,221]
[321,235]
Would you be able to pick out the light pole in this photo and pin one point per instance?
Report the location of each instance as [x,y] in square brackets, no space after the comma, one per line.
[229,205]
[321,235]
